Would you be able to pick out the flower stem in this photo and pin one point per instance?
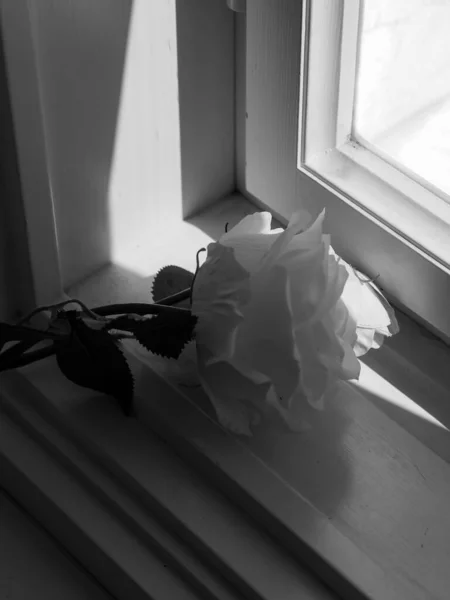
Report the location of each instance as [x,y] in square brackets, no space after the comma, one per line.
[51,307]
[195,274]
[27,358]
[137,309]
[175,298]
[17,356]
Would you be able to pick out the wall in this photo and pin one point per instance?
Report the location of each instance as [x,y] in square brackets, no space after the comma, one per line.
[16,294]
[138,111]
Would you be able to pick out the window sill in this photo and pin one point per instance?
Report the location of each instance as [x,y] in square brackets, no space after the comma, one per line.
[139,519]
[338,498]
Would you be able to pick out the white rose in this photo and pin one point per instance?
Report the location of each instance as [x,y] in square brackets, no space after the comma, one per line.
[280,317]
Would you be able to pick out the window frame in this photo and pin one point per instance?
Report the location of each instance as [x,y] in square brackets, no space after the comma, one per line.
[331,154]
[307,158]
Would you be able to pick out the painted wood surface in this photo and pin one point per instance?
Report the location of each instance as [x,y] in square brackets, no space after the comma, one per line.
[378,445]
[206,83]
[33,566]
[142,520]
[375,466]
[240,100]
[378,484]
[126,129]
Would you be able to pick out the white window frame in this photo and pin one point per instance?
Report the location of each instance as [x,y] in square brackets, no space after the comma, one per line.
[330,153]
[61,456]
[375,212]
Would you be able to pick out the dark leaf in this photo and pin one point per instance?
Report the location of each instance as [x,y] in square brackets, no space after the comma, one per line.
[170,280]
[60,324]
[164,334]
[92,359]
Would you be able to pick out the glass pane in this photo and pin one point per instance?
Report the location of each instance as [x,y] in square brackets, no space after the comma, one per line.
[402,108]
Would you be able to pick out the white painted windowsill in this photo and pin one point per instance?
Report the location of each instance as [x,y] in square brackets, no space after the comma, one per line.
[361,500]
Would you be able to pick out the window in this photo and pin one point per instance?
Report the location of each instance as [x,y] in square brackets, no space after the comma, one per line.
[382,220]
[402,100]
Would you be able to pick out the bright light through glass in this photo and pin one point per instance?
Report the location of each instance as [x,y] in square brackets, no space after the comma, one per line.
[402,105]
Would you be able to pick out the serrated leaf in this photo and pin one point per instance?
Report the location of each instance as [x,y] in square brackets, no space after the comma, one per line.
[92,359]
[165,334]
[170,280]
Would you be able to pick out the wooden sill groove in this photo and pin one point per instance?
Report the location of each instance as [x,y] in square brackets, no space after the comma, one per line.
[152,499]
[138,526]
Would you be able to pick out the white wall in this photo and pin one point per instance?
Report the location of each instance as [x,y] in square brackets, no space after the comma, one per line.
[115,78]
[103,100]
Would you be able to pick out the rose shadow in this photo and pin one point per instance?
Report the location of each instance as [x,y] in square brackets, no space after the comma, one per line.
[314,463]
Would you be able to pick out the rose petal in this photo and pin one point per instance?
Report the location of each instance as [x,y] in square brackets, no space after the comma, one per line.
[304,238]
[364,340]
[290,320]
[250,249]
[265,340]
[258,222]
[369,309]
[316,284]
[251,238]
[314,374]
[393,326]
[336,275]
[344,323]
[324,356]
[235,397]
[363,303]
[221,289]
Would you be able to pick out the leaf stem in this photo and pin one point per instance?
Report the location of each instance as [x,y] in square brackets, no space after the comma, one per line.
[51,307]
[137,309]
[175,298]
[28,358]
[18,356]
[197,259]
[16,351]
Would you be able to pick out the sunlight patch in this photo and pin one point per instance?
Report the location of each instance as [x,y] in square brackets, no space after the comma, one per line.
[372,382]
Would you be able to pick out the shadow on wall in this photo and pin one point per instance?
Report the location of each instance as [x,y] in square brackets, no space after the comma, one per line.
[81,51]
[138,133]
[15,271]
